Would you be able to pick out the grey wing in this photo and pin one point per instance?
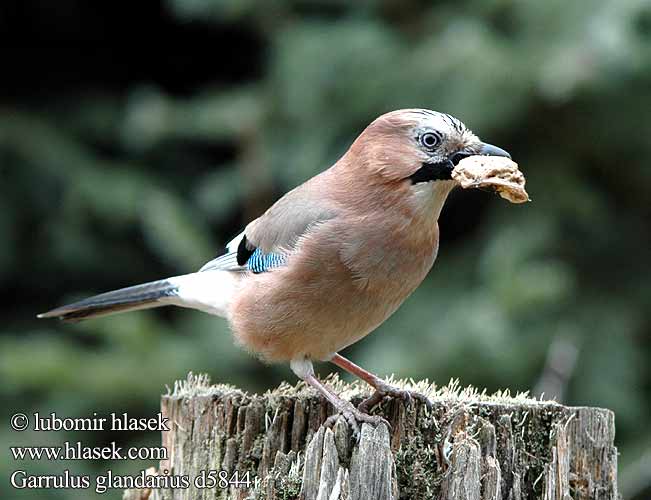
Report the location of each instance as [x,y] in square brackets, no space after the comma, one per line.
[267,240]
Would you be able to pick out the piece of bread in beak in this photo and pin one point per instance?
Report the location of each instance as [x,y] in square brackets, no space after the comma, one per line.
[495,172]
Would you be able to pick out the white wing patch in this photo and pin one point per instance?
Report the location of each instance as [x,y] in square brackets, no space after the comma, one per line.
[232,245]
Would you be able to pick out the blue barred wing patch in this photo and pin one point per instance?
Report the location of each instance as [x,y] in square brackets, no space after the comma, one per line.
[260,262]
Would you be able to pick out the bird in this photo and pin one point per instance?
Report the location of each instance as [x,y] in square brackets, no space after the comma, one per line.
[329,261]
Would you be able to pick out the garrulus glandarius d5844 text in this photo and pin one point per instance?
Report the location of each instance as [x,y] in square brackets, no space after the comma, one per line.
[332,259]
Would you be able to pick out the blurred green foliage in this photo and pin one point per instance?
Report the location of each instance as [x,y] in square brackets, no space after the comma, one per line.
[105,187]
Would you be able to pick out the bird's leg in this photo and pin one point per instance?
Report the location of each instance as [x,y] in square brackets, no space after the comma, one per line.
[352,415]
[382,389]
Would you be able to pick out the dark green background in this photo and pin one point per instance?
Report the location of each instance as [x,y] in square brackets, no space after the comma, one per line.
[120,166]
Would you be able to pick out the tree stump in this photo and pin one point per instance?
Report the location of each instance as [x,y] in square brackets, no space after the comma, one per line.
[470,446]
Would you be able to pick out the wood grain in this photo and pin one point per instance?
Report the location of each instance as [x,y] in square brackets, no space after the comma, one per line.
[469,447]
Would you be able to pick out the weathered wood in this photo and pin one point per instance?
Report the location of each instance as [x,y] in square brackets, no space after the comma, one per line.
[469,447]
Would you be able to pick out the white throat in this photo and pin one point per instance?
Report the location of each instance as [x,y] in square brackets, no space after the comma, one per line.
[429,197]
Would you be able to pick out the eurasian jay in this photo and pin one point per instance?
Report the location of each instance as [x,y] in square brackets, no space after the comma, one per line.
[330,260]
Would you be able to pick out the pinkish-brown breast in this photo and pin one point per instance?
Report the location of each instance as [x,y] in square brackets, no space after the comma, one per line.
[346,277]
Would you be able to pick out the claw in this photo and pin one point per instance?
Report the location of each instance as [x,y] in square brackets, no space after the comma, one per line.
[354,417]
[332,420]
[368,404]
[387,390]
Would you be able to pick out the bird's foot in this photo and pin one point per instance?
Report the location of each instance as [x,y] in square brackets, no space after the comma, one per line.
[355,417]
[383,390]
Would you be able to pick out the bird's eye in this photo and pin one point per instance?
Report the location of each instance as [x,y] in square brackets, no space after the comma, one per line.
[430,140]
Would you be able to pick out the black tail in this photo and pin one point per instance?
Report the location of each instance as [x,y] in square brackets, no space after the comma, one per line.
[126,299]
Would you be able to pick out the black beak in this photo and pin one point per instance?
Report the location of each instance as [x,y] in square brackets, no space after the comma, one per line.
[490,150]
[484,150]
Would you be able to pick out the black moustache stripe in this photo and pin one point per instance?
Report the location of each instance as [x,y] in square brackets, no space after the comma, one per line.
[441,171]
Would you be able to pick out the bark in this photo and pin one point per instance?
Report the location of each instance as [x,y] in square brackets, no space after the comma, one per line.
[469,447]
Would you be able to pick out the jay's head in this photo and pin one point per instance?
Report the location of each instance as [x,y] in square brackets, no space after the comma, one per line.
[417,146]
